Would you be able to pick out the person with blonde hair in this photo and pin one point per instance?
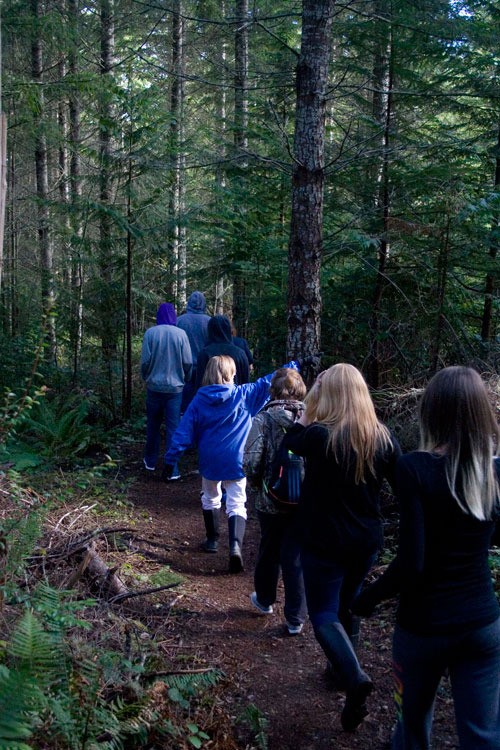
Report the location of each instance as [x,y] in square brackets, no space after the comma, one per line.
[447,618]
[279,550]
[218,421]
[348,453]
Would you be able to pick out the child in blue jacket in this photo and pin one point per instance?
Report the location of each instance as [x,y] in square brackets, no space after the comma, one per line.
[218,421]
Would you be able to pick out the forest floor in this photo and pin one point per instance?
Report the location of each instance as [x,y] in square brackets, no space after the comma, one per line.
[211,623]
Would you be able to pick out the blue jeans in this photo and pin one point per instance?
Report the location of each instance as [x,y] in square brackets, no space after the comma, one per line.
[473,662]
[188,392]
[279,550]
[331,587]
[160,407]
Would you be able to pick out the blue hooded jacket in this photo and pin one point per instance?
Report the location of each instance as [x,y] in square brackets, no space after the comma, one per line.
[218,421]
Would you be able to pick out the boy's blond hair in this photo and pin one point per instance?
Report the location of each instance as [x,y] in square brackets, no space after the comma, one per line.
[220,370]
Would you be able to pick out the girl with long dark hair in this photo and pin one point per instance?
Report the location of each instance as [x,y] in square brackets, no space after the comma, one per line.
[448,615]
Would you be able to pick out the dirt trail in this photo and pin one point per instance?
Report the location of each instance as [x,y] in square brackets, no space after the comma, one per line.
[281,675]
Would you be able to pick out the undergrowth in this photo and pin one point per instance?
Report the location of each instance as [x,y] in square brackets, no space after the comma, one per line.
[74,673]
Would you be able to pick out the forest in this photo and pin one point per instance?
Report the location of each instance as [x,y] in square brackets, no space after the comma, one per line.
[151,149]
[326,172]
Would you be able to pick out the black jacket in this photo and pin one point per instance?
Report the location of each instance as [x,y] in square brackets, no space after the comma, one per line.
[220,342]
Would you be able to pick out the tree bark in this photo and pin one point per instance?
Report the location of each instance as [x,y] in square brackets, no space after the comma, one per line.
[107,323]
[239,305]
[306,230]
[177,235]
[42,188]
[382,112]
[487,332]
[76,280]
[3,185]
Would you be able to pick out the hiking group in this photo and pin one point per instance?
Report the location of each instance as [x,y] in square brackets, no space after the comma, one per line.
[317,462]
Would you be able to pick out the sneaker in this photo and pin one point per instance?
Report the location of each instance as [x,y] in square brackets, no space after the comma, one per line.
[165,475]
[148,468]
[294,629]
[263,610]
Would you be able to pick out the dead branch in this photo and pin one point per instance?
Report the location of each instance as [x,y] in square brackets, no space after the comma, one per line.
[130,594]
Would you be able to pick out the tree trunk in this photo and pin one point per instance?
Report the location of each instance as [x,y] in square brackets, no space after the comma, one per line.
[177,239]
[487,332]
[42,189]
[382,112]
[240,141]
[220,174]
[442,279]
[107,316]
[306,231]
[76,271]
[3,185]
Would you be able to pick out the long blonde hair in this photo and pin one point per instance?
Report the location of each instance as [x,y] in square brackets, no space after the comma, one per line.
[340,400]
[457,419]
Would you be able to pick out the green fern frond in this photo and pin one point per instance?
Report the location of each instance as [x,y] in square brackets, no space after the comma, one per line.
[34,652]
[19,694]
[22,534]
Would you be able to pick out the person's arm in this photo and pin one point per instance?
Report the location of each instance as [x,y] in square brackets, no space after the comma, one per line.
[187,359]
[183,437]
[257,393]
[201,364]
[253,457]
[392,459]
[405,571]
[145,357]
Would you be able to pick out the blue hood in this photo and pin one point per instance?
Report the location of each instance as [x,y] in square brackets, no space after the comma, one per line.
[215,395]
[197,303]
[166,315]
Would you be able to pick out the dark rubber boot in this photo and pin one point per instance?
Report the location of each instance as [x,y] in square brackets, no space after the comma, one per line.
[236,526]
[211,519]
[338,648]
[352,625]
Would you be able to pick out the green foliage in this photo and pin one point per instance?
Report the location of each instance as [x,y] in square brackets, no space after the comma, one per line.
[60,689]
[258,724]
[58,428]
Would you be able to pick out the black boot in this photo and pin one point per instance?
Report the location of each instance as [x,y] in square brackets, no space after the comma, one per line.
[351,624]
[236,526]
[338,648]
[211,519]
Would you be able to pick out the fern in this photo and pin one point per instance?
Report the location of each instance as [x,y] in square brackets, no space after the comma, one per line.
[21,534]
[58,428]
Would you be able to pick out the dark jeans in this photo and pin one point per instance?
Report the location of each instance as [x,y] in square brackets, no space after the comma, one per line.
[331,587]
[279,551]
[160,407]
[473,662]
[188,392]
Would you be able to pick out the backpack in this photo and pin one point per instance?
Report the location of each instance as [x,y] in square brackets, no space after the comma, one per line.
[287,473]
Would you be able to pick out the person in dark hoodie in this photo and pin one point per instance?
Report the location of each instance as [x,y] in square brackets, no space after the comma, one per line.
[218,421]
[166,364]
[195,323]
[220,341]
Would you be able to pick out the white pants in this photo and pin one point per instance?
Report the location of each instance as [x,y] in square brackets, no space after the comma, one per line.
[211,496]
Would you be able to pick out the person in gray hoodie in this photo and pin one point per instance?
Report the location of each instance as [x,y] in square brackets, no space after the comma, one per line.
[166,364]
[195,324]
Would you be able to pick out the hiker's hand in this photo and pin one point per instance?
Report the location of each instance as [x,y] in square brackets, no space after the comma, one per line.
[312,360]
[364,604]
